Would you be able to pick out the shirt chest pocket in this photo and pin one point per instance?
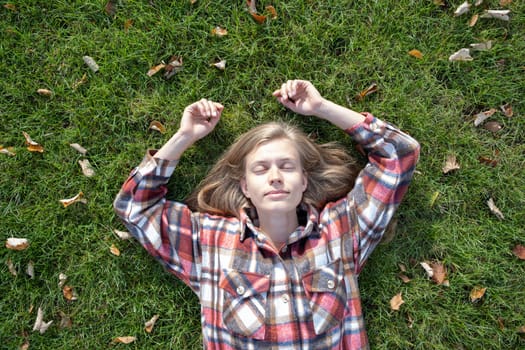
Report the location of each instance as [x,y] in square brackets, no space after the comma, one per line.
[326,293]
[244,302]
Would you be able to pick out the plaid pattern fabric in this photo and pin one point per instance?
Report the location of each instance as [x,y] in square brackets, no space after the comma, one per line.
[305,296]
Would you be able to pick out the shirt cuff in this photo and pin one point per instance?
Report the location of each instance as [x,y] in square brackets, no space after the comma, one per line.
[368,130]
[156,166]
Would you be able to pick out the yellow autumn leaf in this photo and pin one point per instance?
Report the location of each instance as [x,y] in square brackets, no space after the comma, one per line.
[125,340]
[69,293]
[67,202]
[44,92]
[9,151]
[415,53]
[148,326]
[219,31]
[372,88]
[154,70]
[396,302]
[32,146]
[114,250]
[477,293]
[157,126]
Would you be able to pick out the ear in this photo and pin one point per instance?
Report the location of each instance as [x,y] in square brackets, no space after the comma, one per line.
[244,187]
[305,181]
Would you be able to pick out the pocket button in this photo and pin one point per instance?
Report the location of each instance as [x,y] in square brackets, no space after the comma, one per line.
[240,290]
[330,284]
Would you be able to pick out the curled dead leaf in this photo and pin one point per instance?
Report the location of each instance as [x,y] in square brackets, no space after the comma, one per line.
[11,267]
[427,268]
[404,277]
[40,325]
[488,161]
[86,167]
[154,70]
[62,278]
[494,209]
[122,234]
[125,340]
[415,53]
[17,243]
[482,116]
[174,66]
[396,302]
[497,14]
[65,320]
[32,146]
[461,55]
[463,8]
[219,31]
[148,326]
[44,92]
[90,62]
[439,275]
[477,293]
[128,24]
[9,151]
[487,45]
[450,164]
[157,126]
[30,270]
[69,293]
[519,251]
[78,148]
[507,110]
[80,81]
[221,65]
[272,11]
[473,20]
[505,2]
[369,90]
[114,250]
[493,126]
[78,198]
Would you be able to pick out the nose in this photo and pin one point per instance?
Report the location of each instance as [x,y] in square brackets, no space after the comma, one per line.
[274,175]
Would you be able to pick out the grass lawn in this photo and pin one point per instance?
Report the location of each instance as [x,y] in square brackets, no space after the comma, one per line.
[342,47]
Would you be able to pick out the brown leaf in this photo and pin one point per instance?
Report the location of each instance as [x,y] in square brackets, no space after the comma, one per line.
[148,326]
[494,209]
[404,278]
[272,11]
[154,70]
[221,65]
[174,66]
[157,126]
[507,110]
[258,18]
[65,320]
[415,53]
[521,330]
[9,151]
[440,273]
[17,243]
[78,198]
[25,345]
[44,92]
[128,24]
[519,251]
[11,7]
[11,267]
[219,31]
[396,302]
[450,164]
[493,126]
[402,267]
[69,293]
[86,167]
[114,250]
[473,20]
[32,146]
[505,2]
[488,161]
[501,323]
[482,116]
[124,340]
[439,2]
[79,148]
[252,5]
[477,293]
[369,90]
[111,8]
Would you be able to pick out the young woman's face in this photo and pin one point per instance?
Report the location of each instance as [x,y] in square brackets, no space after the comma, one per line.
[274,179]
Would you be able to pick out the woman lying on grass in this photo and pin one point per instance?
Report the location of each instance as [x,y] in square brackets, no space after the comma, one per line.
[281,227]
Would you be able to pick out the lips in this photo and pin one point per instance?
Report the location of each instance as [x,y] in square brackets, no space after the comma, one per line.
[276,193]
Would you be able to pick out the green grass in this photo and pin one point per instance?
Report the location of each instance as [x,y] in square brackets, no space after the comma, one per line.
[341,46]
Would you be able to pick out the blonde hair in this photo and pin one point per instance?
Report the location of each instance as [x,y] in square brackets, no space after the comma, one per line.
[331,171]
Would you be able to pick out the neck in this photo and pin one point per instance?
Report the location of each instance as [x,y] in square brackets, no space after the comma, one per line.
[278,226]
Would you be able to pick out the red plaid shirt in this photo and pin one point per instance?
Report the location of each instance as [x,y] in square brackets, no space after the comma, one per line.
[305,296]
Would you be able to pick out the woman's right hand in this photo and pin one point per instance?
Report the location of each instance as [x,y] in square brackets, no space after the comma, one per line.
[200,118]
[300,96]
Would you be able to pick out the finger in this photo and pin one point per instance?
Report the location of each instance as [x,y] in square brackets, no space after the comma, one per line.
[204,108]
[219,107]
[284,91]
[290,86]
[277,93]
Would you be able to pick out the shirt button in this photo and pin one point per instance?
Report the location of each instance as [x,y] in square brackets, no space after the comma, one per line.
[240,290]
[284,249]
[330,284]
[285,298]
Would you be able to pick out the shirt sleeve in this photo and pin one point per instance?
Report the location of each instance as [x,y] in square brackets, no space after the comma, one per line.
[168,230]
[381,185]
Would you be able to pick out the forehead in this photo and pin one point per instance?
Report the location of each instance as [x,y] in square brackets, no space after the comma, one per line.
[273,150]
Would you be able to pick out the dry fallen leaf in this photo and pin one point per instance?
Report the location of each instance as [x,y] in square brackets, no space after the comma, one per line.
[157,126]
[487,45]
[501,323]
[62,278]
[148,326]
[473,20]
[218,31]
[427,268]
[221,65]
[478,2]
[461,55]
[30,271]
[369,90]
[493,126]
[507,110]
[79,148]
[40,325]
[463,8]
[11,7]
[396,302]
[9,151]
[124,340]
[11,267]
[174,66]
[154,70]
[44,92]
[495,209]
[272,11]
[482,116]
[114,250]
[25,345]
[65,320]
[69,293]
[81,81]
[90,62]
[122,234]
[488,161]
[402,267]
[78,198]
[128,24]
[505,2]
[404,278]
[439,274]
[519,251]
[521,330]
[450,164]
[497,14]
[415,53]
[32,146]
[87,169]
[17,243]
[477,293]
